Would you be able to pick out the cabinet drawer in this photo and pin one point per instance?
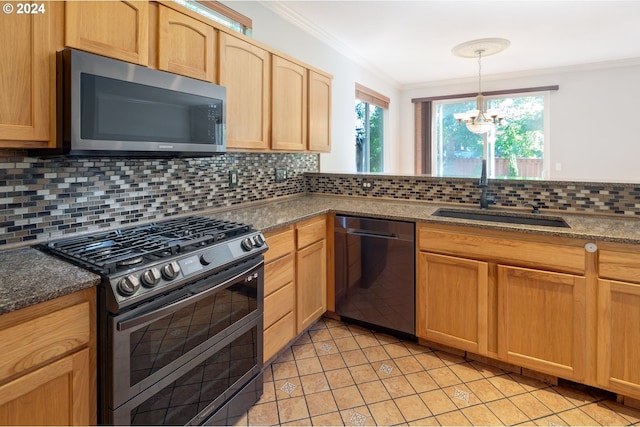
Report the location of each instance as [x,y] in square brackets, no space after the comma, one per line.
[278,304]
[499,247]
[312,230]
[280,241]
[278,273]
[279,335]
[619,265]
[34,342]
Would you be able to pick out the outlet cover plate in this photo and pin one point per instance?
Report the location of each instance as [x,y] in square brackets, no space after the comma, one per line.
[233,178]
[281,174]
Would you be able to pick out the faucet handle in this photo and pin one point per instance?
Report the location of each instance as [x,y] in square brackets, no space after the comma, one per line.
[535,209]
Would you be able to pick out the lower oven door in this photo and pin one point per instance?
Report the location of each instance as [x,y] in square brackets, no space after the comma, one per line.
[175,358]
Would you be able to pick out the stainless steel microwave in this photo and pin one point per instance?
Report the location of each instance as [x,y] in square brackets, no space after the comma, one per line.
[113,108]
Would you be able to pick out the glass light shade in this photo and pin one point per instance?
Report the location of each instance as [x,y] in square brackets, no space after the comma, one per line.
[479,127]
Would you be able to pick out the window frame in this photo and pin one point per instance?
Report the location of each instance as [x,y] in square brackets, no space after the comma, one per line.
[373,98]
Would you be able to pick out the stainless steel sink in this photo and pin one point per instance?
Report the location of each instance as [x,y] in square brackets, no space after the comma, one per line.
[503,217]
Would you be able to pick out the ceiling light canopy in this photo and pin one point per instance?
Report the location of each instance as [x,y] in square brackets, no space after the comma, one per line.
[479,121]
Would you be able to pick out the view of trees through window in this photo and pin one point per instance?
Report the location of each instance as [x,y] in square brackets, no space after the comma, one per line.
[369,137]
[514,150]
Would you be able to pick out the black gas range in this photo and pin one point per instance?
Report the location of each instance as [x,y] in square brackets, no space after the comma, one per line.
[180,311]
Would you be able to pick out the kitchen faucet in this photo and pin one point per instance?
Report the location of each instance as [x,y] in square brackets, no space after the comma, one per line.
[483,184]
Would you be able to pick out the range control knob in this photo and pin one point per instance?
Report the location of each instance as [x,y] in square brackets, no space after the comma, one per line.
[128,285]
[247,244]
[206,258]
[258,241]
[171,270]
[151,277]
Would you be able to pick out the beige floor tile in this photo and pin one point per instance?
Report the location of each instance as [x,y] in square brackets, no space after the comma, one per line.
[359,416]
[449,359]
[339,378]
[265,414]
[354,357]
[375,353]
[285,355]
[326,347]
[321,403]
[268,393]
[462,396]
[507,412]
[303,351]
[507,385]
[484,390]
[284,370]
[416,348]
[576,417]
[363,373]
[341,331]
[305,338]
[552,400]
[366,340]
[604,415]
[429,360]
[348,397]
[320,335]
[320,324]
[575,396]
[430,421]
[243,421]
[396,350]
[631,414]
[437,401]
[314,383]
[421,381]
[268,374]
[386,369]
[301,422]
[398,386]
[531,406]
[332,323]
[455,418]
[347,343]
[288,387]
[292,409]
[332,419]
[332,361]
[487,371]
[310,365]
[444,376]
[466,372]
[550,421]
[386,413]
[358,330]
[529,384]
[408,364]
[373,391]
[386,338]
[480,415]
[412,407]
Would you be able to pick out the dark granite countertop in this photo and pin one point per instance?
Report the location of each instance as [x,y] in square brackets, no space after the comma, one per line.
[28,276]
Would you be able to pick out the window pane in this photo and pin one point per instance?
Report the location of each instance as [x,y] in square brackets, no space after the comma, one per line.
[369,136]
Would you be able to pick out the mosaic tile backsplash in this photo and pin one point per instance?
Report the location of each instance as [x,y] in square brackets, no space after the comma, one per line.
[601,198]
[41,199]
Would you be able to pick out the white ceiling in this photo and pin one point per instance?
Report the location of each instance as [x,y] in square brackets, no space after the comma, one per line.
[409,42]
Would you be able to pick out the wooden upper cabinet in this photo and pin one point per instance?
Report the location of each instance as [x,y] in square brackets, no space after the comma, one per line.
[186,46]
[289,105]
[26,79]
[319,112]
[117,29]
[245,72]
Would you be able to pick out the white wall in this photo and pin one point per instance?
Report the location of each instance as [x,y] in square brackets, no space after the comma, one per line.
[592,119]
[592,115]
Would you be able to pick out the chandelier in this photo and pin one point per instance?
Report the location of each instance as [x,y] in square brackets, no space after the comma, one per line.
[479,121]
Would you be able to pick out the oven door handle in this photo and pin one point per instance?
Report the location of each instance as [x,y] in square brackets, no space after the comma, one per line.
[174,306]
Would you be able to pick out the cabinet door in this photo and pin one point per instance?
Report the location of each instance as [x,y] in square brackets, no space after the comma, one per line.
[452,301]
[117,29]
[185,45]
[618,337]
[289,105]
[245,72]
[319,112]
[542,321]
[56,394]
[25,86]
[311,282]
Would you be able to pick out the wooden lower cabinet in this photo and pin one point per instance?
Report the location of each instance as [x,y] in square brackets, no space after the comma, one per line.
[452,301]
[542,319]
[619,337]
[311,280]
[48,368]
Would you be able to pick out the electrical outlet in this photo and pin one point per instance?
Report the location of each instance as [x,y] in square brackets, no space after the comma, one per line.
[367,185]
[233,178]
[281,175]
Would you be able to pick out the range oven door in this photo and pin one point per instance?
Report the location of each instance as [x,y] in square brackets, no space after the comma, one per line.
[175,360]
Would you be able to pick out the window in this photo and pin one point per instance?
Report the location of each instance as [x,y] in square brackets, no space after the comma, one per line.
[517,149]
[370,110]
[219,13]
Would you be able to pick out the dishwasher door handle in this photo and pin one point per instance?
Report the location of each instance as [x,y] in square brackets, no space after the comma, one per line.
[364,233]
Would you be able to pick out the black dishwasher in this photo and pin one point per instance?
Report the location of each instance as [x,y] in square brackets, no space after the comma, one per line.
[375,273]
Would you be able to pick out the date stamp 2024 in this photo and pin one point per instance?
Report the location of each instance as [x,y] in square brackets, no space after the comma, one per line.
[23,8]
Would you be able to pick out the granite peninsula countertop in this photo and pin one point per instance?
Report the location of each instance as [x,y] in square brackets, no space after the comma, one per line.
[28,276]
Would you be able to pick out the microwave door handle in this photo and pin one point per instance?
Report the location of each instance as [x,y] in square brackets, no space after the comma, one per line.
[174,306]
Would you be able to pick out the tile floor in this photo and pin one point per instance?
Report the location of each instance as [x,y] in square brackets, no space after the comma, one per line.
[338,374]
